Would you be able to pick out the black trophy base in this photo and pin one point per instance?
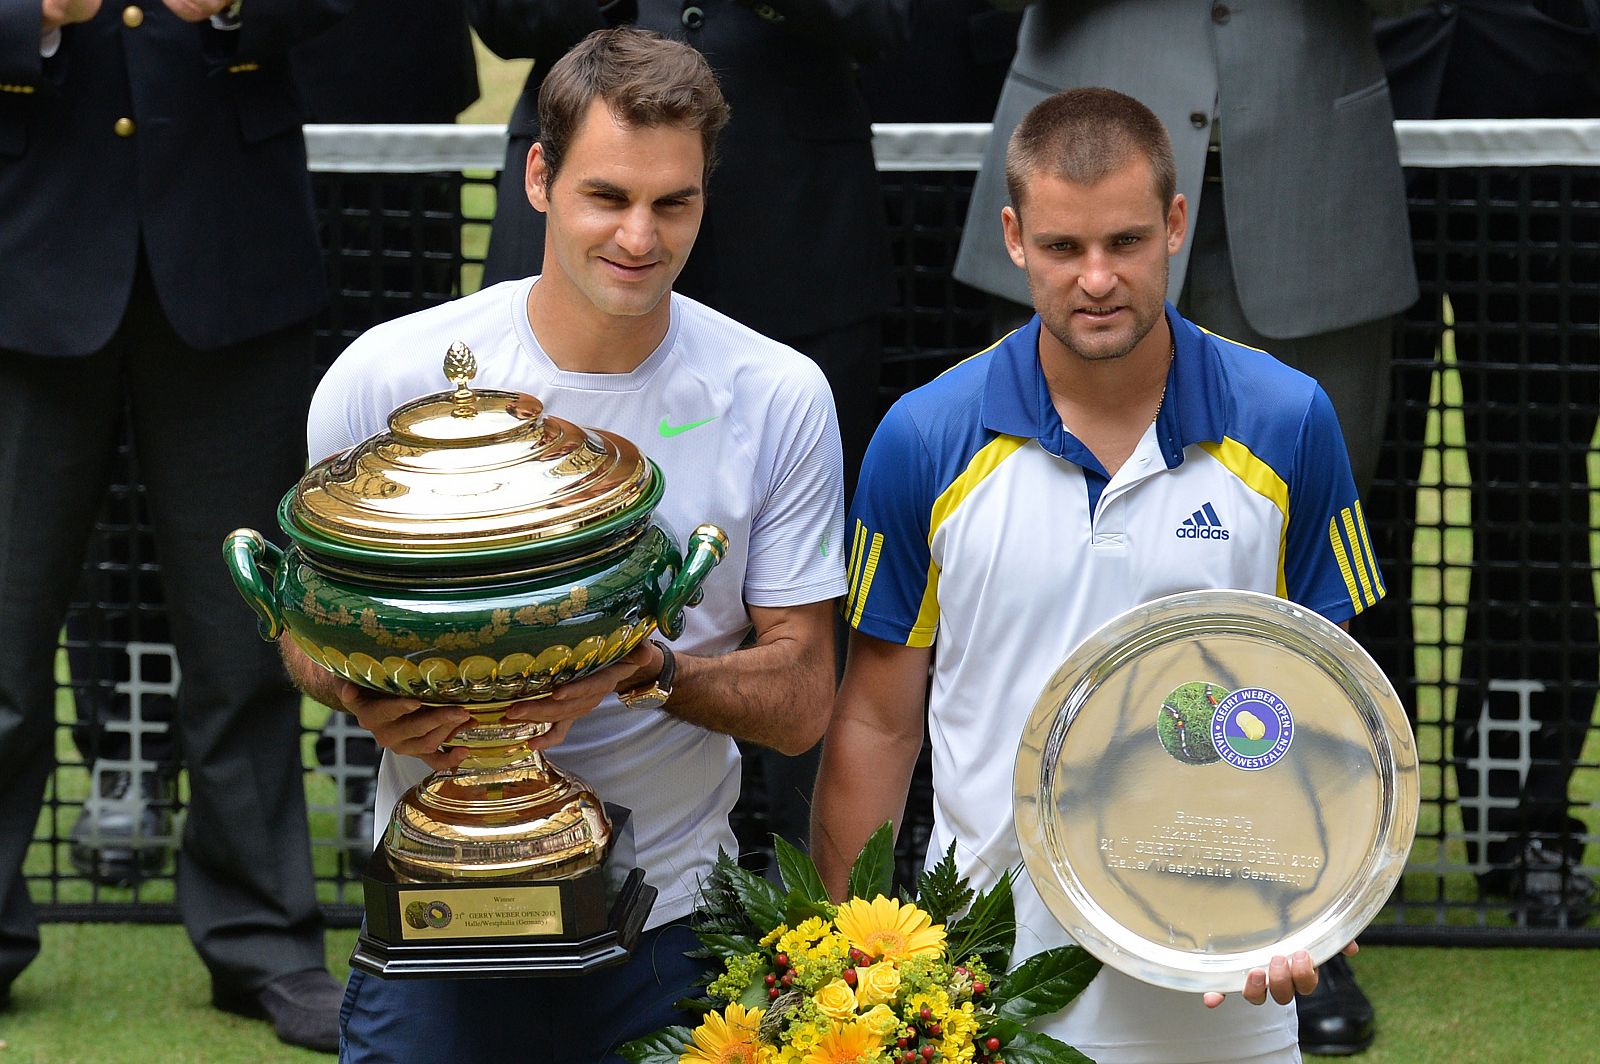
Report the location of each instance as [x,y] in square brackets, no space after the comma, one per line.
[505,928]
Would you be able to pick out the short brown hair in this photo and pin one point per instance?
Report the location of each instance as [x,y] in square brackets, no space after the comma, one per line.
[644,78]
[1085,135]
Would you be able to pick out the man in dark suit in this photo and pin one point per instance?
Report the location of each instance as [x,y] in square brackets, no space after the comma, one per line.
[1526,349]
[159,256]
[794,242]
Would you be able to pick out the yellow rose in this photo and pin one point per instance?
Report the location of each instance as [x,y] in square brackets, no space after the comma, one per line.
[881,1021]
[836,1000]
[877,984]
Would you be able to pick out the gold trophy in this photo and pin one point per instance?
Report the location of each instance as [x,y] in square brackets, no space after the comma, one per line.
[480,553]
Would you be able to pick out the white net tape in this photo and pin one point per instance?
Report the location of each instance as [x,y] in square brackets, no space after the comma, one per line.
[952,146]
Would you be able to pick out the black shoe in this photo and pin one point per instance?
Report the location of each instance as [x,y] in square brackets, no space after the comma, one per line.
[303,1008]
[1545,886]
[1335,1018]
[120,838]
[359,792]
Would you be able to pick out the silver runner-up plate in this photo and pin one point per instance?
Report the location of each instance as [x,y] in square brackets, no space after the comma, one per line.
[1213,778]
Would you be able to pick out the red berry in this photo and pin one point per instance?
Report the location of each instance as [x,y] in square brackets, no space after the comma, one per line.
[850,976]
[992,1045]
[928,1052]
[772,995]
[979,988]
[935,1030]
[902,1042]
[781,960]
[908,1056]
[771,979]
[926,1013]
[788,979]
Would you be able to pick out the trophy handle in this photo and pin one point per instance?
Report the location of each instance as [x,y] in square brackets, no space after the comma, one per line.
[253,564]
[707,545]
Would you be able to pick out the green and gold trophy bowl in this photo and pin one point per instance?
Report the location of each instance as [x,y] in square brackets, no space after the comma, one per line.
[476,554]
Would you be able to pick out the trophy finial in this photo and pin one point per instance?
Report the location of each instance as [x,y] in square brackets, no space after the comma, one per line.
[459,368]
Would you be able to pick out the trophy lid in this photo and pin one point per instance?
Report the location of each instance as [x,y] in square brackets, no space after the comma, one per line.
[468,473]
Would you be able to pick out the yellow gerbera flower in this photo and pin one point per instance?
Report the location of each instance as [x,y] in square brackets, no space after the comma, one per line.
[726,1038]
[885,928]
[846,1043]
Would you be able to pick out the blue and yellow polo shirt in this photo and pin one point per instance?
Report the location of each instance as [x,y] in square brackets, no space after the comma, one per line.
[977,508]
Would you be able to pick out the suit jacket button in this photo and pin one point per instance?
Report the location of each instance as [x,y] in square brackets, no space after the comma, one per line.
[1198,119]
[693,18]
[1220,14]
[123,127]
[133,16]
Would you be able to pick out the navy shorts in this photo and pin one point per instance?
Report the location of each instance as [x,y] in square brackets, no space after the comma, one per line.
[576,1020]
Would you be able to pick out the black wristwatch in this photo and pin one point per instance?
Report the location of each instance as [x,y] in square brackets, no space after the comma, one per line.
[653,695]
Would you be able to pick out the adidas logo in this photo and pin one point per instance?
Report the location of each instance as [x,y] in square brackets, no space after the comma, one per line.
[1203,524]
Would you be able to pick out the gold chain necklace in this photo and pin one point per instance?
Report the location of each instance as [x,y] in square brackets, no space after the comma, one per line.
[1172,354]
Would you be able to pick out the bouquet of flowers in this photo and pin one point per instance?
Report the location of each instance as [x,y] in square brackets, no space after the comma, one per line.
[876,980]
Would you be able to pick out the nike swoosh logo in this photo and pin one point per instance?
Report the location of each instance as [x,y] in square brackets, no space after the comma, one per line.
[824,544]
[669,431]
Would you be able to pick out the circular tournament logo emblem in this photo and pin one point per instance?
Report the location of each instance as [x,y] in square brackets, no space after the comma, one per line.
[1183,723]
[1252,728]
[422,915]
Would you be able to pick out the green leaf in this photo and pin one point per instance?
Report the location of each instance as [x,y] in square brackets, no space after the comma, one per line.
[723,946]
[754,996]
[873,871]
[798,872]
[797,909]
[990,926]
[1022,1046]
[663,1047]
[941,892]
[720,909]
[762,903]
[1043,983]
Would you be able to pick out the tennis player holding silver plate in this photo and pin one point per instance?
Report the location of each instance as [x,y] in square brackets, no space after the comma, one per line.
[1212,779]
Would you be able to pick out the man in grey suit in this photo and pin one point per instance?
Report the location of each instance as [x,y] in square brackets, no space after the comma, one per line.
[1283,134]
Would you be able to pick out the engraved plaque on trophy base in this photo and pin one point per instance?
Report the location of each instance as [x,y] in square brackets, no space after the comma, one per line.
[501,928]
[1211,779]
